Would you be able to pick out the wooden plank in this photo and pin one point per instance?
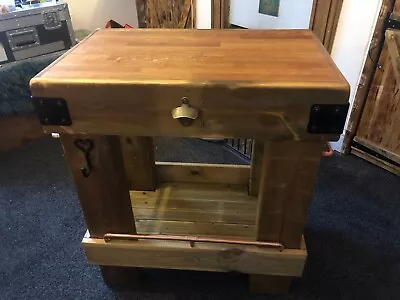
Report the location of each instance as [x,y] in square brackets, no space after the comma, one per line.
[17,130]
[393,48]
[288,175]
[196,193]
[376,161]
[202,173]
[204,229]
[376,148]
[194,215]
[138,154]
[202,257]
[368,74]
[256,165]
[104,195]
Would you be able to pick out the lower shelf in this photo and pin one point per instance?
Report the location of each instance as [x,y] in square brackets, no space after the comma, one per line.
[212,210]
[206,210]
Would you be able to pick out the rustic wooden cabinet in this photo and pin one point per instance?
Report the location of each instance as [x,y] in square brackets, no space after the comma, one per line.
[117,89]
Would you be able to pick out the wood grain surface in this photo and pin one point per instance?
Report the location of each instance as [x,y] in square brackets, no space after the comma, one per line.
[277,57]
[126,82]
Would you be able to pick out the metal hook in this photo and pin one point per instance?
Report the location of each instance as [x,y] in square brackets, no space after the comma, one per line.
[85,145]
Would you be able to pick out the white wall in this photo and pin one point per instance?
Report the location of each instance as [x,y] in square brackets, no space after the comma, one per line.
[92,14]
[203,14]
[292,14]
[350,48]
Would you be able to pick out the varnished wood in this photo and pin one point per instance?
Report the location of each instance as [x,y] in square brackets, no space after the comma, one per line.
[202,257]
[288,176]
[202,173]
[18,130]
[368,73]
[104,195]
[139,163]
[282,74]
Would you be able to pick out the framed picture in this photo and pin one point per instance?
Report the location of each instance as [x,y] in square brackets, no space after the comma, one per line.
[269,7]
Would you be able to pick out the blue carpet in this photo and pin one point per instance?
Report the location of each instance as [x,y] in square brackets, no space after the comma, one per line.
[353,233]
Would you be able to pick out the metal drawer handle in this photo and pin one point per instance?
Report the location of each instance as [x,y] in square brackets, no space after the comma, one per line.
[185,114]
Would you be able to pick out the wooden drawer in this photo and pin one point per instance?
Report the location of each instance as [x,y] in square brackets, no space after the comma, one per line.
[131,88]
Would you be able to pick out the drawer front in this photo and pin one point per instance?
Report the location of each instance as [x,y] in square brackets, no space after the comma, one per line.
[189,111]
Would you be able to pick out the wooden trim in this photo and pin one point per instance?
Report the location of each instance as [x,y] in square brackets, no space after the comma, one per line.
[202,173]
[324,20]
[376,161]
[220,14]
[367,75]
[201,257]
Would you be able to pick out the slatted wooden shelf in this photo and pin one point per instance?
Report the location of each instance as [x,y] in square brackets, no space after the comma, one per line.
[213,210]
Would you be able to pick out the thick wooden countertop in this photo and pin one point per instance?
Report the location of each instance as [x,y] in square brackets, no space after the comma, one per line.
[246,83]
[265,57]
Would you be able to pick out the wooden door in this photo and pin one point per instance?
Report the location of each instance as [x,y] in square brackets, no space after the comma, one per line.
[166,13]
[378,135]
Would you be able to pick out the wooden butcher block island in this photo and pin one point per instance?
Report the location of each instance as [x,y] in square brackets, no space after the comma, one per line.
[113,92]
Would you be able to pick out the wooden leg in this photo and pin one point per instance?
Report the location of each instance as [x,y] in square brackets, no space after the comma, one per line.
[288,174]
[120,277]
[104,194]
[267,284]
[140,168]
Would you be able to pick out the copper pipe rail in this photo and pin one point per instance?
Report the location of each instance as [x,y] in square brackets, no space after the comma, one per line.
[329,151]
[191,239]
